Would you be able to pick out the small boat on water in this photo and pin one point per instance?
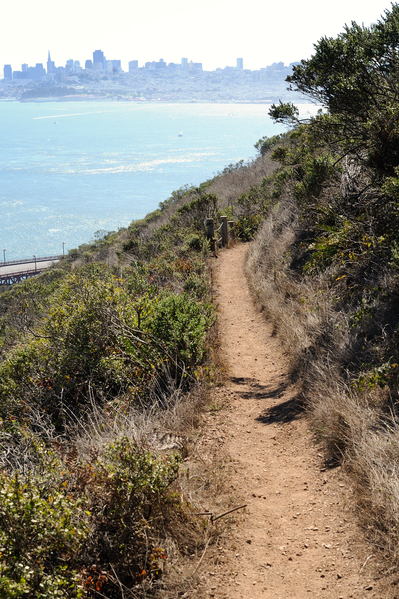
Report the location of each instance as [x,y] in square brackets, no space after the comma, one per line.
[180,134]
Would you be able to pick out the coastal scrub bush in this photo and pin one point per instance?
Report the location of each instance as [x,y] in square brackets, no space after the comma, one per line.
[103,337]
[128,496]
[265,144]
[246,226]
[181,323]
[73,526]
[194,213]
[42,533]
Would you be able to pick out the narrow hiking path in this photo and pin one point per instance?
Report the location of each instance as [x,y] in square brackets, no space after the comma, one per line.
[298,537]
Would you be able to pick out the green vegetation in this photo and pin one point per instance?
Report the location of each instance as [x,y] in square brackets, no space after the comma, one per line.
[49,92]
[101,357]
[109,351]
[89,353]
[325,266]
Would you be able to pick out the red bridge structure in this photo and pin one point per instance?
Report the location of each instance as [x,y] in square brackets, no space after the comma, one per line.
[15,271]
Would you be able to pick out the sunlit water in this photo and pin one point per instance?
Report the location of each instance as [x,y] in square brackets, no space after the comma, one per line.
[70,169]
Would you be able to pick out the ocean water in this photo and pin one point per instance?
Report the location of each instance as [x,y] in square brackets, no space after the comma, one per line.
[68,169]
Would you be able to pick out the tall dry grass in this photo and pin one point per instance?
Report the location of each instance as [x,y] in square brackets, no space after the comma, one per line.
[359,428]
[227,186]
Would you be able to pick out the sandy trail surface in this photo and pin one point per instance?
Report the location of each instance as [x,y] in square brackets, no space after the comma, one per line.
[297,537]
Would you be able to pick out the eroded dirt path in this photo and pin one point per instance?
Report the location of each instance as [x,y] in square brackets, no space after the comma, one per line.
[298,537]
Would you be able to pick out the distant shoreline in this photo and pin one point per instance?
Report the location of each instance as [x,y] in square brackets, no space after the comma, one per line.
[136,101]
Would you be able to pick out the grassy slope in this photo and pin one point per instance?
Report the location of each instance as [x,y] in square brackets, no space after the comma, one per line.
[324,267]
[105,362]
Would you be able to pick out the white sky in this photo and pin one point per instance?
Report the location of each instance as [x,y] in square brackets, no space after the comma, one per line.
[214,32]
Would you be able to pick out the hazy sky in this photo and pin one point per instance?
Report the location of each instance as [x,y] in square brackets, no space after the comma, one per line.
[214,32]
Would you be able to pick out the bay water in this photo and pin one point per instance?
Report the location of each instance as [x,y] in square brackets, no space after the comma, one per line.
[69,169]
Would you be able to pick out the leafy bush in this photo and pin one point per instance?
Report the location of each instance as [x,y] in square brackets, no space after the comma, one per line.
[41,535]
[247,226]
[265,144]
[102,338]
[127,490]
[181,323]
[196,285]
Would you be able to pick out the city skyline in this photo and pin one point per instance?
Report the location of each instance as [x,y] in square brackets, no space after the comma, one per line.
[100,66]
[213,33]
[100,78]
[98,58]
[99,62]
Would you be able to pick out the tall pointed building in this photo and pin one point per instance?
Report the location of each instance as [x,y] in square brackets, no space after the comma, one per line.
[50,65]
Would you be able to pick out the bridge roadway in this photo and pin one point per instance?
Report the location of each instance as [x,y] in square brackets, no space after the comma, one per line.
[18,271]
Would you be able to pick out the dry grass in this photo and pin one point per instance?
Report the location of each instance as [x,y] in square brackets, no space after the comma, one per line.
[233,184]
[359,429]
[228,187]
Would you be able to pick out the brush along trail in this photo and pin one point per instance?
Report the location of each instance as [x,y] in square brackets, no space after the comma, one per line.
[297,537]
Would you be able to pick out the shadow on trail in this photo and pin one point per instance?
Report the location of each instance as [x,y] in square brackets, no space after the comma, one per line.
[285,412]
[258,391]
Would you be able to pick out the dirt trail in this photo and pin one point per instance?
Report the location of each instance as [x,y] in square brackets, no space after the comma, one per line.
[298,538]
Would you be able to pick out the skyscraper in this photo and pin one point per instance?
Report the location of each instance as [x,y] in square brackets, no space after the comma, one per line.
[50,65]
[7,72]
[240,64]
[184,63]
[99,58]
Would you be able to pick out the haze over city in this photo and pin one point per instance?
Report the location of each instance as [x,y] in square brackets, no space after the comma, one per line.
[213,33]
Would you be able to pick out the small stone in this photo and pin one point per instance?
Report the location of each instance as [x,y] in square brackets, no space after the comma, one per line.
[249,541]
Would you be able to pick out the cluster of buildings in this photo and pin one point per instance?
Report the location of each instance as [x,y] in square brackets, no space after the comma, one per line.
[99,64]
[156,80]
[72,67]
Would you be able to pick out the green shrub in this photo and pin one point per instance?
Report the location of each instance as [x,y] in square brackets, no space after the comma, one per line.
[181,323]
[127,490]
[196,285]
[265,144]
[247,226]
[194,242]
[41,534]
